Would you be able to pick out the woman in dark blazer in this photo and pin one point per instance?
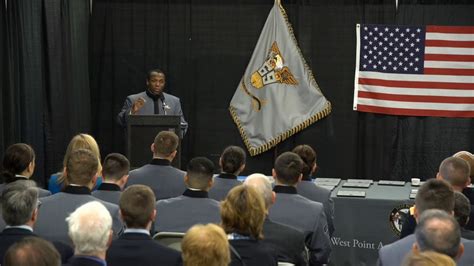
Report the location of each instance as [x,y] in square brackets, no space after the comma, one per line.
[242,215]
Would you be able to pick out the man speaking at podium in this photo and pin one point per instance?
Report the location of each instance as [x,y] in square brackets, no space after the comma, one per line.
[152,101]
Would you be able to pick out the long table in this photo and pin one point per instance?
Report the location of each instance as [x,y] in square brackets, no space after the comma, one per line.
[364,225]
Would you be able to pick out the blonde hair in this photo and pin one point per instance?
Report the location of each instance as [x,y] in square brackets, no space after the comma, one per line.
[80,141]
[205,245]
[428,258]
[243,212]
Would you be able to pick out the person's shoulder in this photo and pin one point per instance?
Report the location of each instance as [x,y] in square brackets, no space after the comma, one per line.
[170,96]
[137,95]
[166,202]
[313,204]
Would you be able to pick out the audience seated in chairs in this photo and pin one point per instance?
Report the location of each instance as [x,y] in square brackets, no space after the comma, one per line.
[32,251]
[195,207]
[205,245]
[428,258]
[58,181]
[115,175]
[468,191]
[297,211]
[135,246]
[165,180]
[81,173]
[453,170]
[286,240]
[462,209]
[243,214]
[433,194]
[308,189]
[19,164]
[20,206]
[232,162]
[90,229]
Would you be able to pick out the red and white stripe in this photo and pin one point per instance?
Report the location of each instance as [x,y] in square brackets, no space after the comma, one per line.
[445,89]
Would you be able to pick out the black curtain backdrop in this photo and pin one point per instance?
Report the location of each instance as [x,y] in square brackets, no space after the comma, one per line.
[66,71]
[45,82]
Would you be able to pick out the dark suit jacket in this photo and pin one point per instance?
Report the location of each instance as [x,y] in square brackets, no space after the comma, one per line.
[253,253]
[172,107]
[140,249]
[223,183]
[469,193]
[467,234]
[165,180]
[108,192]
[84,261]
[10,236]
[287,241]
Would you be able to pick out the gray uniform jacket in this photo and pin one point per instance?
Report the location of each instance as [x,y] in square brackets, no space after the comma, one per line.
[310,190]
[108,192]
[305,215]
[170,105]
[41,192]
[223,183]
[180,213]
[394,253]
[165,180]
[51,223]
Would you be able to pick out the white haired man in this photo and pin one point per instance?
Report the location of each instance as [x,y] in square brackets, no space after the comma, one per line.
[90,229]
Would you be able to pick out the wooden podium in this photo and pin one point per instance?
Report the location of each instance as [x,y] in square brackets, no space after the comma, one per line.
[141,132]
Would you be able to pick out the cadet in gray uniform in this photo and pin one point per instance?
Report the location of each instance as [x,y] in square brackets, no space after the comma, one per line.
[165,180]
[232,162]
[114,175]
[194,206]
[308,189]
[81,175]
[297,211]
[152,101]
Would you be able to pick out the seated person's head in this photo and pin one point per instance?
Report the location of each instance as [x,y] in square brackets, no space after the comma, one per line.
[434,194]
[205,245]
[469,158]
[243,212]
[199,173]
[308,155]
[20,203]
[81,141]
[455,171]
[262,184]
[232,160]
[438,231]
[427,258]
[32,251]
[165,145]
[462,208]
[115,169]
[287,169]
[90,229]
[137,206]
[19,159]
[81,168]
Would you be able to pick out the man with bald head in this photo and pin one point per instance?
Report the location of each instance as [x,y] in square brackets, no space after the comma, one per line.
[286,240]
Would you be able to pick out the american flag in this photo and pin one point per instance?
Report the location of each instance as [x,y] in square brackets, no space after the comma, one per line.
[415,71]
